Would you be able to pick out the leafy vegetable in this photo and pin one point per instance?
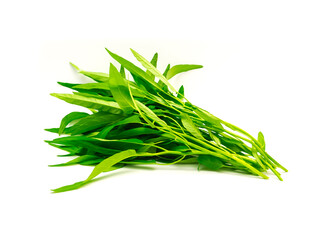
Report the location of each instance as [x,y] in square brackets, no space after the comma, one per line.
[69,118]
[181,68]
[144,120]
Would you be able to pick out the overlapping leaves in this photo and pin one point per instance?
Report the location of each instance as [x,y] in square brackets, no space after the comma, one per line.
[144,120]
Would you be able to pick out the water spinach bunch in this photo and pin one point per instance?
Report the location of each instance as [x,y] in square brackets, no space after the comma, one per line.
[145,120]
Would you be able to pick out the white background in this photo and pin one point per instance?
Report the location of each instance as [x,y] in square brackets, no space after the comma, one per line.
[268,65]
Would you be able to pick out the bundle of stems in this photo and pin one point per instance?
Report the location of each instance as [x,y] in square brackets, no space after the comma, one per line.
[144,120]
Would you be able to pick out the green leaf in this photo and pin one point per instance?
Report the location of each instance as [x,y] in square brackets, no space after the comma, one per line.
[115,167]
[68,85]
[109,162]
[208,117]
[130,66]
[120,91]
[94,121]
[142,79]
[84,142]
[150,114]
[211,162]
[89,86]
[190,126]
[145,85]
[95,95]
[71,149]
[122,72]
[80,184]
[261,139]
[258,159]
[97,76]
[95,89]
[166,70]
[131,119]
[136,132]
[215,139]
[91,162]
[154,60]
[181,68]
[152,69]
[56,130]
[104,146]
[161,84]
[69,118]
[90,102]
[75,161]
[69,187]
[154,63]
[140,161]
[181,92]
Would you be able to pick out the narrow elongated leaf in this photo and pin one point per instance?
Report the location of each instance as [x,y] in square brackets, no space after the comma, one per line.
[165,128]
[122,71]
[136,92]
[56,130]
[95,95]
[114,167]
[154,63]
[129,66]
[97,76]
[95,89]
[90,102]
[69,187]
[103,86]
[68,85]
[80,184]
[91,162]
[166,70]
[94,121]
[258,159]
[139,161]
[71,149]
[190,126]
[69,118]
[144,85]
[152,69]
[134,132]
[85,144]
[216,139]
[181,68]
[103,146]
[154,60]
[181,92]
[208,117]
[150,114]
[161,84]
[211,162]
[261,139]
[131,119]
[109,162]
[119,89]
[142,79]
[75,161]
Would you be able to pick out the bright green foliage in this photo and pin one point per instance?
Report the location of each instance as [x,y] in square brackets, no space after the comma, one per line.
[90,102]
[181,68]
[210,162]
[120,91]
[69,118]
[144,120]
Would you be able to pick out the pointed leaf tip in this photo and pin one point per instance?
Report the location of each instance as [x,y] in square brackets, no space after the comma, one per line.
[181,68]
[74,66]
